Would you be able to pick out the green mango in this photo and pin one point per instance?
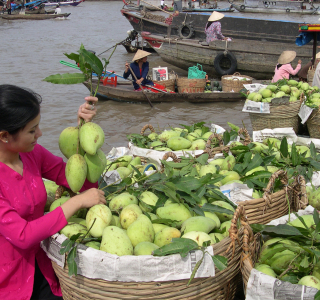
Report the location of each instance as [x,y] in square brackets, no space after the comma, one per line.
[258,147]
[167,134]
[178,143]
[72,229]
[198,236]
[216,237]
[93,244]
[100,216]
[58,202]
[158,227]
[229,176]
[124,160]
[51,188]
[76,172]
[207,169]
[233,151]
[310,281]
[165,236]
[282,262]
[217,162]
[91,137]
[153,136]
[308,219]
[228,163]
[266,270]
[175,212]
[69,142]
[135,162]
[198,145]
[198,223]
[124,172]
[286,89]
[120,201]
[129,214]
[225,226]
[147,198]
[207,135]
[140,230]
[115,241]
[213,216]
[144,248]
[192,136]
[223,216]
[96,165]
[115,221]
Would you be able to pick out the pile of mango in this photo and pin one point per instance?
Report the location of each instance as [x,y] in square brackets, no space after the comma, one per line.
[290,88]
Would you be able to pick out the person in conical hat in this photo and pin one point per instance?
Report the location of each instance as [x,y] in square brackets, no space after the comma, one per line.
[213,28]
[140,67]
[303,73]
[284,69]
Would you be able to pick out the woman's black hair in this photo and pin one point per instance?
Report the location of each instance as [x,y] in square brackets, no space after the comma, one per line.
[208,24]
[18,106]
[279,65]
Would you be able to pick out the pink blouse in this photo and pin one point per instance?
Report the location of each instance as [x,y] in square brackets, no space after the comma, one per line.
[213,32]
[285,71]
[23,225]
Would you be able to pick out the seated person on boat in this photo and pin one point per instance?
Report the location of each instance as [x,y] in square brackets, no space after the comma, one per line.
[57,11]
[140,68]
[283,68]
[213,28]
[303,73]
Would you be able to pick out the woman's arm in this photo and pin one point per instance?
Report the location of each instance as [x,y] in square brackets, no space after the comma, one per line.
[292,71]
[219,34]
[145,70]
[127,71]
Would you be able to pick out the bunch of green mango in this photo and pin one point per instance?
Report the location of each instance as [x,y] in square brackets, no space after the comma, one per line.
[81,146]
[291,88]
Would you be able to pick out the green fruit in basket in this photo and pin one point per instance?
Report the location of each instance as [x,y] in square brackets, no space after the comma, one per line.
[207,169]
[124,161]
[272,169]
[175,212]
[266,93]
[153,136]
[224,227]
[295,92]
[305,86]
[207,135]
[255,195]
[315,88]
[91,137]
[286,89]
[178,143]
[217,162]
[198,145]
[280,94]
[193,136]
[75,220]
[234,151]
[258,147]
[251,96]
[158,227]
[267,100]
[157,143]
[314,200]
[72,229]
[316,271]
[198,223]
[308,219]
[69,141]
[292,82]
[228,176]
[129,215]
[214,217]
[228,163]
[76,172]
[96,165]
[165,236]
[281,262]
[167,134]
[58,202]
[257,169]
[115,241]
[315,95]
[93,244]
[310,281]
[99,217]
[124,172]
[144,248]
[257,98]
[122,200]
[272,141]
[141,230]
[115,221]
[224,216]
[293,99]
[203,201]
[272,87]
[153,216]
[304,149]
[147,198]
[198,236]
[266,270]
[165,149]
[135,162]
[216,237]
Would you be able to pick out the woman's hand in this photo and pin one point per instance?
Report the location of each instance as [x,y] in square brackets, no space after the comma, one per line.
[139,80]
[87,111]
[127,67]
[299,61]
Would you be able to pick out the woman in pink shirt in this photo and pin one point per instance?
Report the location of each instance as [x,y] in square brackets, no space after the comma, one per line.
[283,68]
[26,271]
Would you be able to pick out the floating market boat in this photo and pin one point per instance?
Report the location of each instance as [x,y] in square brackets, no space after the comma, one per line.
[64,3]
[35,16]
[277,7]
[126,93]
[208,9]
[254,58]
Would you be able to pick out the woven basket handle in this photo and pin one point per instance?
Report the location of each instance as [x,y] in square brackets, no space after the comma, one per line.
[236,74]
[245,133]
[209,141]
[172,155]
[300,193]
[61,189]
[269,189]
[145,127]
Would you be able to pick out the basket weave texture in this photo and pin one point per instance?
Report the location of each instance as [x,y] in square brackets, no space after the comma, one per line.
[281,116]
[235,85]
[186,85]
[313,124]
[168,84]
[310,74]
[222,286]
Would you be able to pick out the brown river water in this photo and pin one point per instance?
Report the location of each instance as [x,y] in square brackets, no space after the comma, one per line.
[32,49]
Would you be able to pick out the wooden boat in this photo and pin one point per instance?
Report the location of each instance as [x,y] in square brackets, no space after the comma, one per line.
[277,7]
[125,93]
[64,3]
[254,58]
[208,9]
[34,16]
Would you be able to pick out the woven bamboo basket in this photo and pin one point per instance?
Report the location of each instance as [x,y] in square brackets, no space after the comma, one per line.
[310,74]
[280,116]
[186,85]
[222,286]
[313,124]
[168,84]
[275,205]
[236,84]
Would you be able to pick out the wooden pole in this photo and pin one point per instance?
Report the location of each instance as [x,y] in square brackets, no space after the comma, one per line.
[143,91]
[157,8]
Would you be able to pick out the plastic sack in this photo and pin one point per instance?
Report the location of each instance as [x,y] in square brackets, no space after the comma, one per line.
[196,72]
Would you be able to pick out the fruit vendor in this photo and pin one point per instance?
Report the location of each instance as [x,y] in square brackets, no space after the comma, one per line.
[283,68]
[213,28]
[140,67]
[26,271]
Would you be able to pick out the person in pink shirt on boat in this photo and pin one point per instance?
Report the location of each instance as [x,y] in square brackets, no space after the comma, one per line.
[284,69]
[26,271]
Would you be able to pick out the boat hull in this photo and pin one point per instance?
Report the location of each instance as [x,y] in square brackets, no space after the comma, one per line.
[125,93]
[71,3]
[34,16]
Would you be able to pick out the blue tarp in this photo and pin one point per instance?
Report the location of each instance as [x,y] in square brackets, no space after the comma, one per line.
[305,37]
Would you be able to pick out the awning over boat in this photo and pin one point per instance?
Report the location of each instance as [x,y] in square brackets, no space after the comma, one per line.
[305,37]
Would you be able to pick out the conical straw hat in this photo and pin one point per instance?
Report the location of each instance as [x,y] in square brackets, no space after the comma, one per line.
[318,55]
[140,54]
[287,57]
[215,16]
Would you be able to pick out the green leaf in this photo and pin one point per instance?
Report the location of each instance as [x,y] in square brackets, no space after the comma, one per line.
[73,56]
[226,137]
[198,210]
[71,260]
[220,262]
[194,271]
[202,159]
[178,245]
[68,78]
[257,175]
[169,222]
[317,296]
[284,147]
[305,262]
[295,159]
[313,151]
[315,165]
[282,229]
[255,162]
[233,127]
[93,61]
[215,208]
[67,245]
